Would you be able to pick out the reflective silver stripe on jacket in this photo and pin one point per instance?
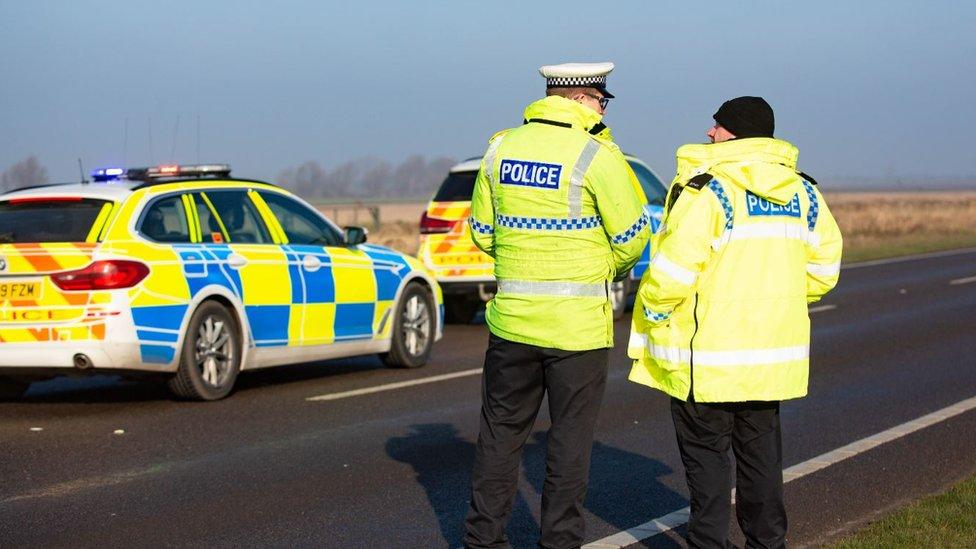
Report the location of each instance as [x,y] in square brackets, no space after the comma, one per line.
[541,287]
[490,169]
[576,181]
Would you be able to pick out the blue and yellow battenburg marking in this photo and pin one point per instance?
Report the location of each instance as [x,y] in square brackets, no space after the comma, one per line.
[293,295]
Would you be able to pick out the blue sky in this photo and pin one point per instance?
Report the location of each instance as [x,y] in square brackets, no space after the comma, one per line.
[864,89]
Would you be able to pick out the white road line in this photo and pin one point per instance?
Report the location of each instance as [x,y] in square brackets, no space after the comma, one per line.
[929,255]
[476,371]
[966,280]
[393,386]
[679,517]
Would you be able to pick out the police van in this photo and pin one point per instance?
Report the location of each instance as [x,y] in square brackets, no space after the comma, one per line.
[465,273]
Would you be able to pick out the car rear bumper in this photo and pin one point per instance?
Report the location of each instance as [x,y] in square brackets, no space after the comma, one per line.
[483,289]
[75,356]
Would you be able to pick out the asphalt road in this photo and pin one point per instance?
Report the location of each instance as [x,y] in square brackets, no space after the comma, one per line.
[99,461]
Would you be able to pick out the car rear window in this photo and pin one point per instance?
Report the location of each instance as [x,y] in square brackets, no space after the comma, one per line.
[458,186]
[41,219]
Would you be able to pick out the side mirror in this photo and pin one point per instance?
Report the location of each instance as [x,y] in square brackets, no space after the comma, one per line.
[355,235]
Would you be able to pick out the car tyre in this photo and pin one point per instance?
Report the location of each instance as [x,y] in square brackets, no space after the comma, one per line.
[12,388]
[619,291]
[414,328]
[461,309]
[211,356]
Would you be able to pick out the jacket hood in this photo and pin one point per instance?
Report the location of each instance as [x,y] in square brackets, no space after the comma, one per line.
[763,165]
[560,109]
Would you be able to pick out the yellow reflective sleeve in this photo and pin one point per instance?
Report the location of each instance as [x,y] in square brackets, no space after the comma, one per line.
[482,215]
[634,182]
[613,185]
[683,251]
[99,225]
[823,261]
[277,233]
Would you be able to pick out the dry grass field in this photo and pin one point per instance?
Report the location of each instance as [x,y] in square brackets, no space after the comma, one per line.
[880,224]
[874,224]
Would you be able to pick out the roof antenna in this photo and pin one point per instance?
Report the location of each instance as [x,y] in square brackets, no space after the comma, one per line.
[198,139]
[81,170]
[125,141]
[176,132]
[151,161]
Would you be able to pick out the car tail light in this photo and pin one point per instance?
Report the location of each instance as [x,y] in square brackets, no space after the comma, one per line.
[430,225]
[102,275]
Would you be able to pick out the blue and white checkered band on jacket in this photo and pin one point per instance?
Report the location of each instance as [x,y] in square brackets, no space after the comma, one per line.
[576,81]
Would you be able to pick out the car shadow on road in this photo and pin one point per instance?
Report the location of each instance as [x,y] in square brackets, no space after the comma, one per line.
[624,487]
[138,387]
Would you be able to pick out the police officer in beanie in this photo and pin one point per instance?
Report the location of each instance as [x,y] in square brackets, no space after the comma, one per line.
[721,322]
[555,205]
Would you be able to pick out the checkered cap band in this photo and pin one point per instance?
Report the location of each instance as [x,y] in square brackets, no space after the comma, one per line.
[576,81]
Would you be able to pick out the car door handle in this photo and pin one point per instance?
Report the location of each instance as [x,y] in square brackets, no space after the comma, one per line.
[311,263]
[236,261]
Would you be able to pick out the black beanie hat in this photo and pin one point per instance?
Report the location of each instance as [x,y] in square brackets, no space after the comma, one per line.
[746,117]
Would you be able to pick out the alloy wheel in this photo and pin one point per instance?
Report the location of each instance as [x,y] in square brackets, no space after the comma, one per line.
[214,351]
[415,324]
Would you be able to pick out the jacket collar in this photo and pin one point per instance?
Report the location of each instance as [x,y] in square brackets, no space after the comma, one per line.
[763,165]
[563,111]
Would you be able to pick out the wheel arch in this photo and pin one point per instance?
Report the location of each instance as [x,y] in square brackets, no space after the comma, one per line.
[430,284]
[230,301]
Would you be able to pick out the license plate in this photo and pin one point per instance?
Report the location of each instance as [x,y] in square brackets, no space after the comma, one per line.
[467,259]
[10,291]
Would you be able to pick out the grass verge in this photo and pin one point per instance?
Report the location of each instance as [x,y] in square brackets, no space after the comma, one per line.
[864,248]
[944,520]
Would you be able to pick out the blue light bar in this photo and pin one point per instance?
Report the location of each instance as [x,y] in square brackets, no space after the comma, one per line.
[107,174]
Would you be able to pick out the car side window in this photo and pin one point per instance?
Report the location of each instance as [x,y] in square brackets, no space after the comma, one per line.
[301,225]
[239,217]
[165,221]
[212,230]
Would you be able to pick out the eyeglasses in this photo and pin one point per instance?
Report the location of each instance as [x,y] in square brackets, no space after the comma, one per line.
[604,101]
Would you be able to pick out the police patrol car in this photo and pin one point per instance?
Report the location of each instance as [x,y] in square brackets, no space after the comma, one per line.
[466,273]
[184,271]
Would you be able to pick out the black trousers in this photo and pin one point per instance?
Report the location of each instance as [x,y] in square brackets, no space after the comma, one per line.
[516,378]
[705,433]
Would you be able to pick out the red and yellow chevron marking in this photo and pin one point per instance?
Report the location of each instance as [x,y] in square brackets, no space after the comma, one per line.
[449,210]
[454,254]
[53,315]
[46,258]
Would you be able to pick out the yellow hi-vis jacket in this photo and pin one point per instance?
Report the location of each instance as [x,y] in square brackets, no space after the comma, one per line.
[722,309]
[557,209]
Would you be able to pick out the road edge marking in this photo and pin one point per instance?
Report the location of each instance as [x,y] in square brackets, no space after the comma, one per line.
[966,280]
[671,520]
[394,386]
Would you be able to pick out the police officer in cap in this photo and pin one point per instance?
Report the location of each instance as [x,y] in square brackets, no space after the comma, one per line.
[720,320]
[555,205]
